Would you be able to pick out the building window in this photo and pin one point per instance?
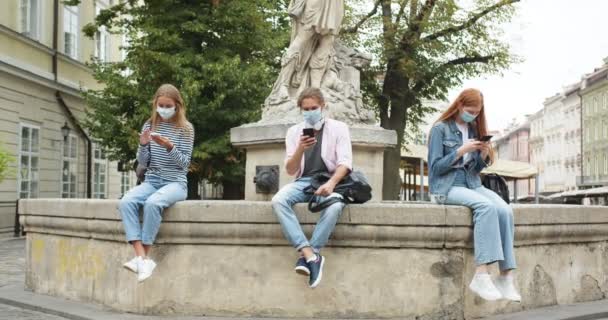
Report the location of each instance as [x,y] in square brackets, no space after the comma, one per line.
[605,164]
[100,166]
[70,167]
[102,37]
[29,148]
[125,182]
[30,18]
[70,31]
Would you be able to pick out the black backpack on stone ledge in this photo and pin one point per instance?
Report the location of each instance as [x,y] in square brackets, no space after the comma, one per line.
[354,188]
[497,184]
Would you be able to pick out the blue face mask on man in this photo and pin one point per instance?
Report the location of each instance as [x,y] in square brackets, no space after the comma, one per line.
[312,116]
[467,117]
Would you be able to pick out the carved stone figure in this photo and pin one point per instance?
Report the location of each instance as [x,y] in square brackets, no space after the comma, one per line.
[316,59]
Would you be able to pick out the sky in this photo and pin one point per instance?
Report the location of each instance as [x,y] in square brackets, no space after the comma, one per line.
[559,40]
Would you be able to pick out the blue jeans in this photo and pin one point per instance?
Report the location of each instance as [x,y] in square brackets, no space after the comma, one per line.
[493,226]
[282,206]
[155,194]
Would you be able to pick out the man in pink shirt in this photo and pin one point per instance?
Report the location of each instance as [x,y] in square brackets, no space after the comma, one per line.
[329,150]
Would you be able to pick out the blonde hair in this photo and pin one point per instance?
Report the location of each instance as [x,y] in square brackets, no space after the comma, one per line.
[179,119]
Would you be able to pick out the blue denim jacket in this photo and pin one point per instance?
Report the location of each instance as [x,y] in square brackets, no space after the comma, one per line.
[444,140]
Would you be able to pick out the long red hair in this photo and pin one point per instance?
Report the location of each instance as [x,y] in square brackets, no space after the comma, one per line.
[469,97]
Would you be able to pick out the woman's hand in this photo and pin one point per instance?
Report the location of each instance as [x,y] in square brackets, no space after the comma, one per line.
[144,137]
[470,146]
[485,150]
[162,141]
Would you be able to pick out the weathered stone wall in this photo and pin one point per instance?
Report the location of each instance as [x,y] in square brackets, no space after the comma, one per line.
[385,260]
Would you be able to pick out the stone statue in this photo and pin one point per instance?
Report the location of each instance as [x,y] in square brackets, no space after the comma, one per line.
[316,59]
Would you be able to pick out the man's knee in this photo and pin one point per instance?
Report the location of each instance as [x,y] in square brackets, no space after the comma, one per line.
[335,209]
[277,199]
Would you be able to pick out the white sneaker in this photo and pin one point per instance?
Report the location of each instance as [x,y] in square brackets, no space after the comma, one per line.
[483,286]
[131,265]
[506,286]
[145,268]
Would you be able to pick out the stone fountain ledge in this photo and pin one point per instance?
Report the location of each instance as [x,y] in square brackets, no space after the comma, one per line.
[385,260]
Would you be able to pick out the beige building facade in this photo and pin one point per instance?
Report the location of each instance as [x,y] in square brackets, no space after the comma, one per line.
[43,56]
[594,99]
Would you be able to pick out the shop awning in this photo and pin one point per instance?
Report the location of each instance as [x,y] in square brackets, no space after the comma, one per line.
[511,169]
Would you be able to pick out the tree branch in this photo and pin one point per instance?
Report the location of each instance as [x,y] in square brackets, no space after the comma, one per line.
[467,60]
[414,31]
[455,62]
[388,29]
[401,12]
[356,27]
[425,12]
[470,22]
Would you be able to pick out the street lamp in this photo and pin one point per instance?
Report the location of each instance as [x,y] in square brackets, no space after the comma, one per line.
[65,131]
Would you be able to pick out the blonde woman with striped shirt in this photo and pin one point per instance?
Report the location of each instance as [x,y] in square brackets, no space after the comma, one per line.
[165,144]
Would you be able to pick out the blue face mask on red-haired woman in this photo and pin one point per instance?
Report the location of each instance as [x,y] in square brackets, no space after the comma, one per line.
[467,117]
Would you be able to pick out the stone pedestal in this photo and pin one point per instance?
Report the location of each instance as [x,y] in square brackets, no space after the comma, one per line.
[265,145]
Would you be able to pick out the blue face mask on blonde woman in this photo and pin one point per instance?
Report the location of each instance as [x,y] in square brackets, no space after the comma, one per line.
[458,152]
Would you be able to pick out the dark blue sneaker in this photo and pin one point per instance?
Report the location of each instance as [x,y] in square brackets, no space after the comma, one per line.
[316,271]
[302,267]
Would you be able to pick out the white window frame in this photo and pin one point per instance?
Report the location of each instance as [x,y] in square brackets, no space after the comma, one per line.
[72,27]
[30,192]
[72,164]
[29,22]
[100,190]
[126,181]
[102,36]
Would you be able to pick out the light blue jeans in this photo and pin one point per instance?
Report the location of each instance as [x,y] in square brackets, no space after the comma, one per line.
[155,194]
[282,206]
[493,226]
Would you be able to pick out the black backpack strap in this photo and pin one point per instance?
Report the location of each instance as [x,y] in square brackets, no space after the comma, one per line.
[309,190]
[314,206]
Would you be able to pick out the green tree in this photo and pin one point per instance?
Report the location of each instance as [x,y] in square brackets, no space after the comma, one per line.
[423,49]
[222,55]
[5,164]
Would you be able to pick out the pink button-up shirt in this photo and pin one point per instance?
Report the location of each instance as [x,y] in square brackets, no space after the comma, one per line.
[336,148]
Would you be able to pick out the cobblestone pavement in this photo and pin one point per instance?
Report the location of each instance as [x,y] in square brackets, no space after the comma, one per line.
[12,261]
[12,272]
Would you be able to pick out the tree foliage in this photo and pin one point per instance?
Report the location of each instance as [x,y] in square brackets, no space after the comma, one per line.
[222,55]
[423,48]
[5,164]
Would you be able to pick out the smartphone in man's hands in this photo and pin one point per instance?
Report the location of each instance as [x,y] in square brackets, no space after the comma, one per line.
[310,132]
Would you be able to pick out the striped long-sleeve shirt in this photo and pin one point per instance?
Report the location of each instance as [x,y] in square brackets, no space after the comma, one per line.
[168,165]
